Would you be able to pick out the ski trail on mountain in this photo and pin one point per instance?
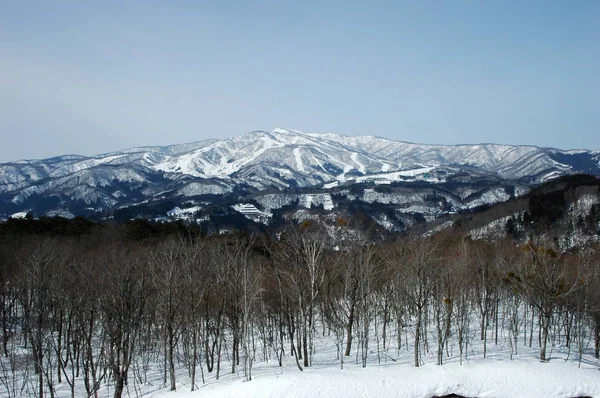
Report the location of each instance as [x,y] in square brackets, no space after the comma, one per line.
[298,157]
[360,167]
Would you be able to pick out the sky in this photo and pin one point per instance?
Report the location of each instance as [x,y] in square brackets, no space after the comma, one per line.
[93,77]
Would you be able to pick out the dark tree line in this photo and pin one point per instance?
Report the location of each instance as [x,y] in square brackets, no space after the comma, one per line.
[94,305]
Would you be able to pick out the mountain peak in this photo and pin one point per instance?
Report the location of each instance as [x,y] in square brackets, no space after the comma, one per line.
[281,159]
[279,130]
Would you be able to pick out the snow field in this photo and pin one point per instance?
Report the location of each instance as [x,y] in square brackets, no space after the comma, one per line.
[389,371]
[392,374]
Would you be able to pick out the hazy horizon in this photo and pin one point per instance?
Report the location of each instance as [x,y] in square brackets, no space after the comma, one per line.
[96,78]
[251,131]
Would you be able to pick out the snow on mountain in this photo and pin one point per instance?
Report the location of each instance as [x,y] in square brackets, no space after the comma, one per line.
[330,157]
[198,188]
[280,159]
[21,173]
[310,157]
[325,157]
[21,214]
[323,199]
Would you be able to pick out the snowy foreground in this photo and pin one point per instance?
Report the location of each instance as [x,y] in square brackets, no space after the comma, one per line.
[391,374]
[476,379]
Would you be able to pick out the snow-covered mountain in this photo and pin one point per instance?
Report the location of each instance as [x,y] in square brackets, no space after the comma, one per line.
[265,161]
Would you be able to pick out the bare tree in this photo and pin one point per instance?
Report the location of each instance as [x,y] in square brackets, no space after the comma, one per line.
[543,280]
[37,283]
[195,269]
[302,253]
[414,260]
[125,288]
[168,275]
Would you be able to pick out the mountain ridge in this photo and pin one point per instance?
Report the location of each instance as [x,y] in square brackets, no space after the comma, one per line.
[257,161]
[136,149]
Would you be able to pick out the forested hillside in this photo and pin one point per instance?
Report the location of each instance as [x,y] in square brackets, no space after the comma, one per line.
[94,306]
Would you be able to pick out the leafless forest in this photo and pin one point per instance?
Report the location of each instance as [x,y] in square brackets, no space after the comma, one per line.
[99,305]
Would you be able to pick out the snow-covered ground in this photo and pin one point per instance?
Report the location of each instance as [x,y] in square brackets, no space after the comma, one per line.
[392,375]
[475,379]
[389,373]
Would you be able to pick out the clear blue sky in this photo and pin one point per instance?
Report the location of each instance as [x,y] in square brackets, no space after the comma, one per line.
[91,77]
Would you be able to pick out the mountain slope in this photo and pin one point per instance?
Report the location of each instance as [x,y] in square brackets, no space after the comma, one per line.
[332,157]
[259,161]
[565,211]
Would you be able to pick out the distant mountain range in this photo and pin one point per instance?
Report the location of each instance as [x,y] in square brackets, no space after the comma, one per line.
[285,170]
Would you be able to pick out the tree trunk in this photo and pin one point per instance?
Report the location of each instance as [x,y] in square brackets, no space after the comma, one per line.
[385,320]
[545,326]
[37,358]
[440,338]
[349,332]
[194,357]
[597,337]
[59,338]
[305,344]
[234,351]
[4,325]
[484,334]
[496,318]
[417,337]
[119,384]
[41,383]
[171,359]
[531,327]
